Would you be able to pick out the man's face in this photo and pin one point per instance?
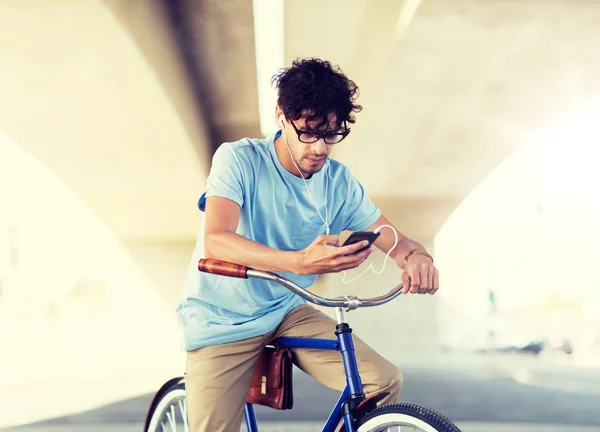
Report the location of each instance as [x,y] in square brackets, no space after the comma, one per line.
[310,158]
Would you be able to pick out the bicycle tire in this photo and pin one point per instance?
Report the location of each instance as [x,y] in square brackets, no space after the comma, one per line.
[159,417]
[405,414]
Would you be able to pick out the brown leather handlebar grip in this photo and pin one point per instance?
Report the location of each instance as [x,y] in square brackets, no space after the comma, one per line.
[222,268]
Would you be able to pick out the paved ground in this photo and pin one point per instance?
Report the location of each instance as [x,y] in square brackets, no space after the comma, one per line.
[479,395]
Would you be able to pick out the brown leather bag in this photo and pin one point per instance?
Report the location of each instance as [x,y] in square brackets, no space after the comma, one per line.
[272,380]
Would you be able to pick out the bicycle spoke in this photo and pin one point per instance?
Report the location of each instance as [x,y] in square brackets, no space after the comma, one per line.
[171,417]
[183,408]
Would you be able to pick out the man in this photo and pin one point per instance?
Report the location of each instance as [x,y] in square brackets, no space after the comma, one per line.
[276,204]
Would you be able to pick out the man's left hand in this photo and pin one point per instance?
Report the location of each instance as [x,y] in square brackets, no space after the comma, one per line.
[420,276]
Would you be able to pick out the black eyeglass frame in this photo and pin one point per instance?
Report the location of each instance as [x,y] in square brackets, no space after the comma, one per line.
[318,135]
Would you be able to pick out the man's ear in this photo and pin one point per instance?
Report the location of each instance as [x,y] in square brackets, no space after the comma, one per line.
[279,116]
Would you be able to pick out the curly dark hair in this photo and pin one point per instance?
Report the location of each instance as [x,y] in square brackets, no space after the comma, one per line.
[314,88]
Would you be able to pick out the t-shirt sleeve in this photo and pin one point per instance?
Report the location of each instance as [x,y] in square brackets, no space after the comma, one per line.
[359,210]
[225,179]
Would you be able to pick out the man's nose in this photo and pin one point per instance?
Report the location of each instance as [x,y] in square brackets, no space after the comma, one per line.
[320,147]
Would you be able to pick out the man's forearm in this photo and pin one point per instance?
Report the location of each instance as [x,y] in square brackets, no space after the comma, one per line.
[232,247]
[404,248]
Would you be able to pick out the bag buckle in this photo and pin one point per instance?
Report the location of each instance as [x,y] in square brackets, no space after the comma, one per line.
[263,385]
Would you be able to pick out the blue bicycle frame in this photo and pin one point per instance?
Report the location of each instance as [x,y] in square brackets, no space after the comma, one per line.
[352,394]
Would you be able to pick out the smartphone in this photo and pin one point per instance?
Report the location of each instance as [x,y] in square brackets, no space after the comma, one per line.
[358,236]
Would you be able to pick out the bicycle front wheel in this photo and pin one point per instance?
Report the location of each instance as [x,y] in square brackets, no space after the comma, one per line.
[170,412]
[407,417]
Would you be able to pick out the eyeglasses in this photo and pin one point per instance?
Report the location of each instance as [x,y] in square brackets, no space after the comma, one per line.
[312,137]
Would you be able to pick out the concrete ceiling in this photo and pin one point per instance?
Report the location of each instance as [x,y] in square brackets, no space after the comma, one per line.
[80,96]
[126,101]
[449,99]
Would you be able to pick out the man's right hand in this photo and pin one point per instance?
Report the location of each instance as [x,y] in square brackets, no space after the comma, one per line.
[325,255]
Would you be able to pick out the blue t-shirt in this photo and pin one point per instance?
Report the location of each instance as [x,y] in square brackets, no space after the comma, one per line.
[277,212]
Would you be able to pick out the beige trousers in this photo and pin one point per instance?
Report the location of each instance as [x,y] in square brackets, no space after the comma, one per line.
[218,377]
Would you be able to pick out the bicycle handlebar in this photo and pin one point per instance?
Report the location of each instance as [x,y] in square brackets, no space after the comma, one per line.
[349,303]
[223,268]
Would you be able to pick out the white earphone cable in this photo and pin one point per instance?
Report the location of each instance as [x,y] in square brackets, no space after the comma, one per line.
[371,263]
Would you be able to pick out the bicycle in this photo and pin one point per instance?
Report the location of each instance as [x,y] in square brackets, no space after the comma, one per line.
[353,410]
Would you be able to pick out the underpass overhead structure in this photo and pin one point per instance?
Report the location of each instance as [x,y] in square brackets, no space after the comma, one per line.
[83,99]
[212,44]
[139,94]
[449,96]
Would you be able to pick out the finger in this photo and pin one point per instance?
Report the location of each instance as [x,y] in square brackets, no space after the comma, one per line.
[353,248]
[430,273]
[352,260]
[362,254]
[415,282]
[424,276]
[436,281]
[405,282]
[365,252]
[368,251]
